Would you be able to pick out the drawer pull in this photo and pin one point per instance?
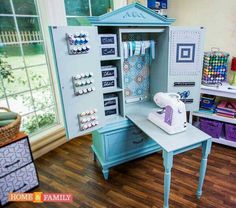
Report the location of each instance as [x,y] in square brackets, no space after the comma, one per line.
[7,166]
[137,132]
[138,142]
[15,190]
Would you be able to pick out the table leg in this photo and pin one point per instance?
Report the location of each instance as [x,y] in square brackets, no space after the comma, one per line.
[168,163]
[206,148]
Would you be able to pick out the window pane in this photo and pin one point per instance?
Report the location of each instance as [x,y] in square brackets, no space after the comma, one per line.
[46,117]
[42,98]
[34,54]
[29,123]
[38,76]
[100,7]
[18,83]
[5,7]
[3,103]
[8,30]
[13,55]
[75,21]
[1,91]
[77,8]
[29,26]
[21,103]
[24,7]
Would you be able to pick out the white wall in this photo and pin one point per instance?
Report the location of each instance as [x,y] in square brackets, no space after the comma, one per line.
[216,16]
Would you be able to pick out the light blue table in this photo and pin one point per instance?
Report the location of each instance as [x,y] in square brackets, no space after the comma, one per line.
[173,145]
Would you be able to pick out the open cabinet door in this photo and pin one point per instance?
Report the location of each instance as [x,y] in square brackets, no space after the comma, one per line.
[77,58]
[185,64]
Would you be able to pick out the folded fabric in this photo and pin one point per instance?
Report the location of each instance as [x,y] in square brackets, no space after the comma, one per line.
[137,48]
[6,122]
[7,115]
[227,105]
[126,52]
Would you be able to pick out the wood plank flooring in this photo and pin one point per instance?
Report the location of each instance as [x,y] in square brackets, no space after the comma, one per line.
[70,168]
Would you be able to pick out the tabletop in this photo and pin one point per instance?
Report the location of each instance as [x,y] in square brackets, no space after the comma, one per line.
[191,136]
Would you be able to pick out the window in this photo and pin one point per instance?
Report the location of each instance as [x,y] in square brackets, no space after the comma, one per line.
[76,11]
[25,84]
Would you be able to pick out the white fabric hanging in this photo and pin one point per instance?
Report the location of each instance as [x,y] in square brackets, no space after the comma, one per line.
[126,52]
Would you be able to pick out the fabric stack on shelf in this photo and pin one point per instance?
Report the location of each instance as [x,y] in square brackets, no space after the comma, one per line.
[226,109]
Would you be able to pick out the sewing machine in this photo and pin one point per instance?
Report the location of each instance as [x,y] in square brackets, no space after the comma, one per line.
[171,116]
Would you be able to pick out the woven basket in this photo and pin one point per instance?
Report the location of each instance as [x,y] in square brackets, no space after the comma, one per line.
[8,132]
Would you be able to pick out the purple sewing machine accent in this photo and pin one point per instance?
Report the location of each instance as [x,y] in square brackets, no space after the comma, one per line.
[168,115]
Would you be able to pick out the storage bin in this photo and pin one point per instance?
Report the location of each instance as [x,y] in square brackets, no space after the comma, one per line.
[230,132]
[207,102]
[211,127]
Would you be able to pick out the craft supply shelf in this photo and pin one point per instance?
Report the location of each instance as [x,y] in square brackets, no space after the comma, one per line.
[226,91]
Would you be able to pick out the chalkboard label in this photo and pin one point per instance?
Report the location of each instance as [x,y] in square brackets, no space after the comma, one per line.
[111,112]
[109,102]
[108,73]
[108,83]
[108,51]
[107,40]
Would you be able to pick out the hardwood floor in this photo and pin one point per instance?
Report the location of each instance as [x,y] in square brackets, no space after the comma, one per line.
[71,169]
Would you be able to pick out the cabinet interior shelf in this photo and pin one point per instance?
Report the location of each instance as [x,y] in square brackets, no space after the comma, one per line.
[224,142]
[112,90]
[110,58]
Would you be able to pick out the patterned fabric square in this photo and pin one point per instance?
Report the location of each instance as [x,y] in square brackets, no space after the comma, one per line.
[185,52]
[136,75]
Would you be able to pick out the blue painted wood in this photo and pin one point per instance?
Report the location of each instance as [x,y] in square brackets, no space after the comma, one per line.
[206,148]
[105,172]
[191,136]
[120,142]
[133,14]
[168,163]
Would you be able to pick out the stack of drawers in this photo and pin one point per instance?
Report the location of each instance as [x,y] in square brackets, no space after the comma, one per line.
[17,169]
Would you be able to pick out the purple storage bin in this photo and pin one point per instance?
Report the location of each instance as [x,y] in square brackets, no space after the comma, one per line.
[211,127]
[230,132]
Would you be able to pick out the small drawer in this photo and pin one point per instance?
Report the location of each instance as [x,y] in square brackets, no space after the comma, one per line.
[21,180]
[122,142]
[14,156]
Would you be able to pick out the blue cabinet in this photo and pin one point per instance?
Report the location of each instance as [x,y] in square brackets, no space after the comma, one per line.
[120,142]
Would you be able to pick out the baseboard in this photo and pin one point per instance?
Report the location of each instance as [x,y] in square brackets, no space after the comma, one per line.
[48,143]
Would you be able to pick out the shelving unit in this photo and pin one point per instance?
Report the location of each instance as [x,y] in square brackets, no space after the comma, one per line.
[226,91]
[204,114]
[224,142]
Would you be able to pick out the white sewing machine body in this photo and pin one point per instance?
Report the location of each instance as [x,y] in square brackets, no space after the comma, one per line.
[171,116]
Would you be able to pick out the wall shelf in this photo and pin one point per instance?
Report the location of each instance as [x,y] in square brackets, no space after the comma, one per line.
[226,90]
[224,142]
[213,116]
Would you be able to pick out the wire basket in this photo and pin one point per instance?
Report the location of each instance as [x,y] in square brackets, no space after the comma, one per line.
[8,132]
